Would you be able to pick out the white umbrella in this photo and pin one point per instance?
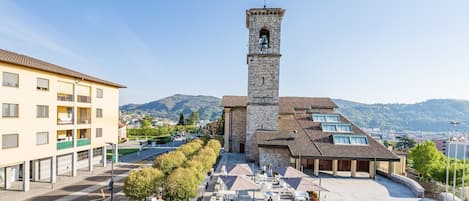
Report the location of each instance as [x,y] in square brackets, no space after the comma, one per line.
[239,183]
[288,172]
[303,184]
[239,169]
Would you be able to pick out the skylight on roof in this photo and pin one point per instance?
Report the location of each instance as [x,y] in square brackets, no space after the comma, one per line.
[342,139]
[326,118]
[336,127]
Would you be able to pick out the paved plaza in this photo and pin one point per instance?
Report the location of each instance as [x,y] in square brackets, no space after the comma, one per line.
[341,187]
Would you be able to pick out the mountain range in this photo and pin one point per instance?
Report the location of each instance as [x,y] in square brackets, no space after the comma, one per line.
[170,107]
[430,115]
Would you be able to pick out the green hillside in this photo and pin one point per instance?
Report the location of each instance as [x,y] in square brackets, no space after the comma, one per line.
[170,107]
[430,115]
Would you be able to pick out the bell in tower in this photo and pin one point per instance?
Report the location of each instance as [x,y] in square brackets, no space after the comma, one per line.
[263,40]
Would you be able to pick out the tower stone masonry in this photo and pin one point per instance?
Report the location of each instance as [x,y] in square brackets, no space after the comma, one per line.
[263,62]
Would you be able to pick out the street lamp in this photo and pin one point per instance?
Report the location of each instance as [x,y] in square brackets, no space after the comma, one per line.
[455,123]
[111,182]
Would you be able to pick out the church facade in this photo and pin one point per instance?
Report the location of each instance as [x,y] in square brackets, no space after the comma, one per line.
[302,132]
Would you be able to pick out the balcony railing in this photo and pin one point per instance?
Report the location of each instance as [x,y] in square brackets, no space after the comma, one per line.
[84,99]
[65,97]
[64,145]
[84,121]
[64,121]
[83,142]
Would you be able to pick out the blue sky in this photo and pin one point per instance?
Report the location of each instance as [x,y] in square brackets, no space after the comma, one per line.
[369,51]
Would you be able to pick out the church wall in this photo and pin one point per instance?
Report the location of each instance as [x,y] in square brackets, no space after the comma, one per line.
[275,156]
[238,129]
[259,117]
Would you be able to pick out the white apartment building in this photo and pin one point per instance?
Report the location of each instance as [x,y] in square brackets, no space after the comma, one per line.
[54,121]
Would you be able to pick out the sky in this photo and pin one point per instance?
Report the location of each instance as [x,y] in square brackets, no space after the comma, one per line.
[368,51]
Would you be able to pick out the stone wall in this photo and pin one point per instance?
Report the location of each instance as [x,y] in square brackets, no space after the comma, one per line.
[275,156]
[259,117]
[237,129]
[263,80]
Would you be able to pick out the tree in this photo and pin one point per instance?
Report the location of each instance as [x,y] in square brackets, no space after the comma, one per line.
[405,143]
[190,148]
[215,146]
[181,119]
[426,159]
[221,124]
[167,162]
[193,118]
[146,123]
[142,183]
[182,184]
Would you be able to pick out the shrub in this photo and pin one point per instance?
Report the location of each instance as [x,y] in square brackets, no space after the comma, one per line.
[167,162]
[142,183]
[182,184]
[215,145]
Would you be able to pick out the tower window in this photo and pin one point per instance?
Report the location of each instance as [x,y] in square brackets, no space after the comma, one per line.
[264,38]
[263,80]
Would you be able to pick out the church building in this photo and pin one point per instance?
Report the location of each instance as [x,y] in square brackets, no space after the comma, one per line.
[304,132]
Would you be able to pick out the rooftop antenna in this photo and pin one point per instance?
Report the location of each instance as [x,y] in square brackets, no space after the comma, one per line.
[265,4]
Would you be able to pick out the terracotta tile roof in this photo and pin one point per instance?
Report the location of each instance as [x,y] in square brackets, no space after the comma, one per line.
[26,61]
[234,101]
[287,105]
[310,140]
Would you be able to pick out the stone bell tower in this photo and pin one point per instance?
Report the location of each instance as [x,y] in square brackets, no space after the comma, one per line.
[263,61]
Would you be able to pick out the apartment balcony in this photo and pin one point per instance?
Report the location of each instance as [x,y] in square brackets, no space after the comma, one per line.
[84,99]
[83,142]
[83,137]
[64,115]
[64,97]
[64,145]
[64,139]
[84,115]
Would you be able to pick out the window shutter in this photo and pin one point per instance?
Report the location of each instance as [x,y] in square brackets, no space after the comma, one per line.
[42,138]
[42,84]
[10,141]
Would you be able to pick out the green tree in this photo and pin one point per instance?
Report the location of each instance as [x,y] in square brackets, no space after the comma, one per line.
[426,159]
[405,143]
[181,119]
[167,162]
[146,123]
[215,146]
[193,118]
[181,184]
[189,149]
[142,183]
[221,124]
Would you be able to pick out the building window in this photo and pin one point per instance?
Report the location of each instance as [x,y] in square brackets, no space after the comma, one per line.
[99,93]
[9,110]
[42,111]
[10,79]
[9,141]
[326,118]
[42,138]
[99,132]
[42,84]
[99,112]
[350,139]
[336,127]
